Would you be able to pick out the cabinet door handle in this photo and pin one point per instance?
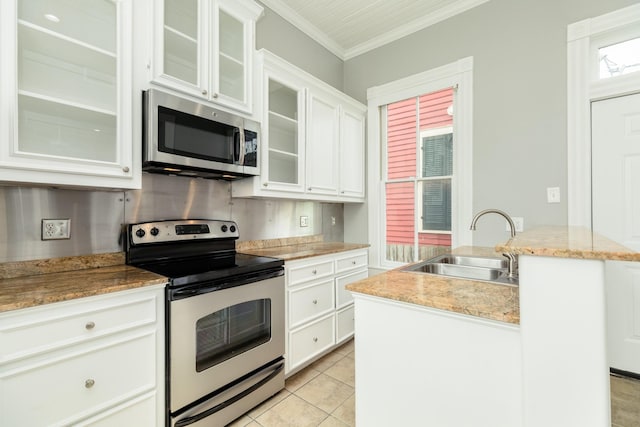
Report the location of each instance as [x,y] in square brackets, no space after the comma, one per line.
[315,301]
[315,339]
[353,262]
[89,383]
[315,271]
[90,325]
[204,91]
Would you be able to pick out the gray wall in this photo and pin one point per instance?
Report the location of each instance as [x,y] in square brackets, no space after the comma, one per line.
[520,100]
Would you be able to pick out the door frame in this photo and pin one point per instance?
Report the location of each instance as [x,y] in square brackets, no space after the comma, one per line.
[584,38]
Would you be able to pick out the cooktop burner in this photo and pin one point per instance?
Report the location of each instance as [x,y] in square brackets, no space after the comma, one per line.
[192,251]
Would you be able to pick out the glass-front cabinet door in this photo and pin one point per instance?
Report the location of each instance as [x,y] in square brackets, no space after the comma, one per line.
[204,48]
[283,135]
[67,101]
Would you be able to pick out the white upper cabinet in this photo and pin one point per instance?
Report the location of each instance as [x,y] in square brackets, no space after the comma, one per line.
[312,145]
[205,48]
[66,93]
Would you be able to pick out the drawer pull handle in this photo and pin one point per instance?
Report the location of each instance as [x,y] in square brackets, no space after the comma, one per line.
[89,383]
[315,339]
[90,325]
[315,301]
[315,271]
[353,262]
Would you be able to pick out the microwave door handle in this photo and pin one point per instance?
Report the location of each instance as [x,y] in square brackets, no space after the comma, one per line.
[243,147]
[236,145]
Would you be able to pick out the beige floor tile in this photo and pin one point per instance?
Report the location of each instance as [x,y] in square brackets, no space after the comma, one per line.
[301,378]
[325,392]
[625,402]
[346,348]
[268,404]
[292,412]
[332,422]
[241,422]
[347,411]
[343,370]
[326,361]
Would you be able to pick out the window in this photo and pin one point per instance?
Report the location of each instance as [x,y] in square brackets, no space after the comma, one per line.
[620,58]
[420,165]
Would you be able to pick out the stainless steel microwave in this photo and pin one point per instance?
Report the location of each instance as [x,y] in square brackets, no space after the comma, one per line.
[184,137]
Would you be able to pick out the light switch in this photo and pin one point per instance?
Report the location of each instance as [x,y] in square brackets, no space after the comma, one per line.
[304,221]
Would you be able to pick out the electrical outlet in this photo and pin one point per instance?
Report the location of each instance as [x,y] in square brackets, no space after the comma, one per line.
[553,195]
[55,229]
[304,221]
[518,221]
[333,220]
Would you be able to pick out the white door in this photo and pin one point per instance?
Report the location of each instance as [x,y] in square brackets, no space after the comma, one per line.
[616,214]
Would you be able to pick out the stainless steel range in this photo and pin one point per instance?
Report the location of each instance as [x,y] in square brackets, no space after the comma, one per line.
[224,318]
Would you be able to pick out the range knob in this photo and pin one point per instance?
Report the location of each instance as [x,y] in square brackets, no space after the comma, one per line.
[232,228]
[140,232]
[154,231]
[224,228]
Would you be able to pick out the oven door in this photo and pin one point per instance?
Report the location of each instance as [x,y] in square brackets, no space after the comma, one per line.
[218,337]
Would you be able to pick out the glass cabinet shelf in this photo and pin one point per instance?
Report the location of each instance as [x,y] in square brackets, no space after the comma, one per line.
[53,129]
[71,71]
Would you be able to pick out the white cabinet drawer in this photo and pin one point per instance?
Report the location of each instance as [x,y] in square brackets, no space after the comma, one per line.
[311,340]
[304,273]
[345,322]
[343,296]
[50,327]
[308,302]
[64,388]
[352,262]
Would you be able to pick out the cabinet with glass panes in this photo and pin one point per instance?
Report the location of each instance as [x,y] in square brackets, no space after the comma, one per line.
[204,48]
[66,103]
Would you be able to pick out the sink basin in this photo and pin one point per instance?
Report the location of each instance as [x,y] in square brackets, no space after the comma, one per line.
[466,267]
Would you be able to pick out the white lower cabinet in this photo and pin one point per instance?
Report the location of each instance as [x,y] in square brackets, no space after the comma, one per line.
[91,361]
[319,309]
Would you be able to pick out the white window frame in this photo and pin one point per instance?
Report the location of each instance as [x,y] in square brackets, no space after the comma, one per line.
[584,86]
[458,74]
[426,133]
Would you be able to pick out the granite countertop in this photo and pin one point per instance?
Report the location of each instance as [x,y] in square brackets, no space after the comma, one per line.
[32,283]
[470,297]
[567,242]
[484,299]
[294,248]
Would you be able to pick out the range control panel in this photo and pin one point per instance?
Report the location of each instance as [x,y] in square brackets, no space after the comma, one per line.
[181,230]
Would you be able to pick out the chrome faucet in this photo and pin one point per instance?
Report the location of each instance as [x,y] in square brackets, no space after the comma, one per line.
[513,262]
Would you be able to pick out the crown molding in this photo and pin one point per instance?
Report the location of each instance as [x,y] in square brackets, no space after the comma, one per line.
[343,53]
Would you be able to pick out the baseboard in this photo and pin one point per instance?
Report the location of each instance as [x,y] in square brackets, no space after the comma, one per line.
[627,374]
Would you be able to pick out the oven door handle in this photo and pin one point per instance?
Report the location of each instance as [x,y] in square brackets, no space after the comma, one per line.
[198,417]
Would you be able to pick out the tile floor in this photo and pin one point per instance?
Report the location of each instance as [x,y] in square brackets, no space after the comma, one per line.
[323,395]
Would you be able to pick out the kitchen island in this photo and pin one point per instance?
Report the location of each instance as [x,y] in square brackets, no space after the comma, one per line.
[428,353]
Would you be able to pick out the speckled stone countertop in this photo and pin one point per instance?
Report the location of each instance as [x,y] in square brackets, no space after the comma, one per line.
[470,297]
[567,242]
[31,283]
[293,248]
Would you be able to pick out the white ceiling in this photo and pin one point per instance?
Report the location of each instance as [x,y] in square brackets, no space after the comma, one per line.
[349,28]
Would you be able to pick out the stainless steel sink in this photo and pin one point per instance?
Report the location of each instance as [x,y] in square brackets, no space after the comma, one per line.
[466,267]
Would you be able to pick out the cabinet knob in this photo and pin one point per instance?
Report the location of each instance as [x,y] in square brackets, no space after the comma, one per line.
[90,325]
[342,192]
[314,271]
[315,339]
[315,301]
[309,188]
[215,96]
[266,184]
[125,169]
[204,91]
[89,383]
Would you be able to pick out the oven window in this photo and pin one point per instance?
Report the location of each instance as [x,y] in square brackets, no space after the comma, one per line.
[231,331]
[193,136]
